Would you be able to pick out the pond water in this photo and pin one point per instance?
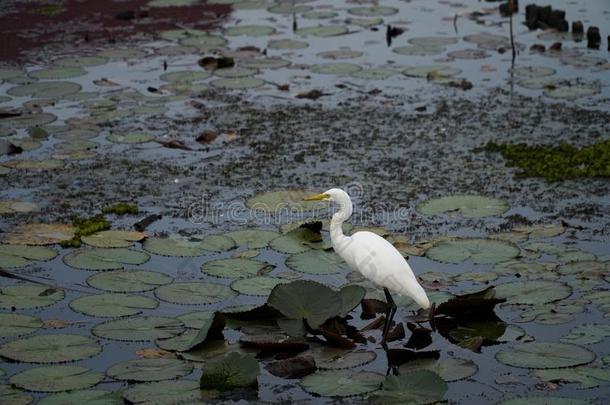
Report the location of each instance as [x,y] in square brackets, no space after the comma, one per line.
[91,123]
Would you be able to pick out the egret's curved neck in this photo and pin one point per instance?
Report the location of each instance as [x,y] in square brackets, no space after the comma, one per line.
[339,240]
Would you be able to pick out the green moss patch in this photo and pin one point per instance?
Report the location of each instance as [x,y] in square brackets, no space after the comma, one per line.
[556,163]
[121,208]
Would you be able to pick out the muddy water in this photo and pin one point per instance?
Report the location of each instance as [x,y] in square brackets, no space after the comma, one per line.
[374,143]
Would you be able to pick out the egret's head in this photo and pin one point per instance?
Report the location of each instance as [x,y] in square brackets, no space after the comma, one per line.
[334,194]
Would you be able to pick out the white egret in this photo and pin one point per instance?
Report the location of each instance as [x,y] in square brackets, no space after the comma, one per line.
[372,256]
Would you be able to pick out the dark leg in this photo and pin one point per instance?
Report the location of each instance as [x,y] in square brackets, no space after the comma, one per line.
[389,315]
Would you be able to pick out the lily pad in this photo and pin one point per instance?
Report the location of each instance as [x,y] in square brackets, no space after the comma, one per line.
[113,238]
[260,285]
[45,90]
[249,30]
[480,251]
[418,50]
[373,74]
[373,11]
[233,268]
[533,71]
[315,262]
[304,299]
[112,305]
[451,369]
[81,61]
[340,54]
[130,138]
[11,395]
[89,397]
[296,241]
[264,63]
[40,234]
[55,348]
[588,377]
[335,68]
[329,358]
[104,259]
[13,256]
[542,355]
[583,267]
[128,281]
[56,378]
[236,71]
[175,245]
[587,334]
[58,72]
[195,320]
[287,44]
[419,387]
[570,91]
[234,370]
[427,70]
[341,383]
[149,370]
[122,53]
[163,392]
[139,328]
[14,207]
[29,296]
[323,31]
[252,238]
[185,76]
[12,324]
[238,83]
[193,293]
[469,206]
[533,292]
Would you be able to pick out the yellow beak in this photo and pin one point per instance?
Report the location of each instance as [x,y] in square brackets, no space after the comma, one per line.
[317,197]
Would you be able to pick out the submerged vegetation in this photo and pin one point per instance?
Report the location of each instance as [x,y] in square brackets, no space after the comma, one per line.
[556,163]
[121,208]
[86,227]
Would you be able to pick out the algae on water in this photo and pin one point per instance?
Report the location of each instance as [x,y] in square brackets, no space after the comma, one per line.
[556,163]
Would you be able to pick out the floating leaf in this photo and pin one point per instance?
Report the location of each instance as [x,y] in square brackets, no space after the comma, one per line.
[58,72]
[264,63]
[234,370]
[104,259]
[217,243]
[56,378]
[238,83]
[584,267]
[323,31]
[149,370]
[233,268]
[287,44]
[185,76]
[546,400]
[373,74]
[45,90]
[533,292]
[252,238]
[112,305]
[420,387]
[341,383]
[17,325]
[15,207]
[351,296]
[335,68]
[329,358]
[315,262]
[113,238]
[175,245]
[193,293]
[571,90]
[297,240]
[451,369]
[373,11]
[587,334]
[260,285]
[139,328]
[196,320]
[469,206]
[50,348]
[40,234]
[89,397]
[130,138]
[163,392]
[13,256]
[13,396]
[340,54]
[307,300]
[29,296]
[480,251]
[249,30]
[545,355]
[128,281]
[588,377]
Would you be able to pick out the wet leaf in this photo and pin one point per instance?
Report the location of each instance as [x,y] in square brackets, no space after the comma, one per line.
[259,285]
[89,397]
[28,296]
[112,305]
[480,251]
[533,292]
[149,370]
[315,262]
[330,358]
[113,239]
[233,268]
[163,392]
[469,206]
[193,293]
[588,377]
[56,378]
[17,325]
[542,355]
[587,333]
[139,328]
[252,238]
[234,370]
[341,383]
[104,259]
[40,234]
[351,296]
[128,281]
[54,348]
[451,369]
[422,386]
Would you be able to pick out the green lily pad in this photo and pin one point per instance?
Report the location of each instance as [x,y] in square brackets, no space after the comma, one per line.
[340,54]
[571,90]
[163,392]
[113,238]
[217,243]
[139,328]
[533,292]
[530,271]
[264,63]
[235,370]
[553,313]
[373,74]
[351,296]
[341,383]
[373,11]
[14,256]
[418,50]
[175,245]
[477,276]
[89,397]
[330,358]
[45,90]
[55,348]
[58,72]
[122,53]
[249,30]
[185,76]
[12,324]
[14,207]
[542,355]
[451,369]
[149,370]
[112,305]
[260,285]
[335,68]
[469,206]
[296,241]
[587,334]
[130,138]
[27,119]
[588,377]
[194,293]
[365,22]
[81,61]
[9,72]
[252,238]
[488,41]
[11,395]
[304,299]
[236,71]
[469,54]
[546,400]
[419,387]
[533,71]
[128,281]
[233,268]
[288,8]
[480,251]
[584,267]
[238,83]
[56,378]
[204,42]
[29,296]
[315,262]
[287,44]
[323,31]
[195,320]
[104,259]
